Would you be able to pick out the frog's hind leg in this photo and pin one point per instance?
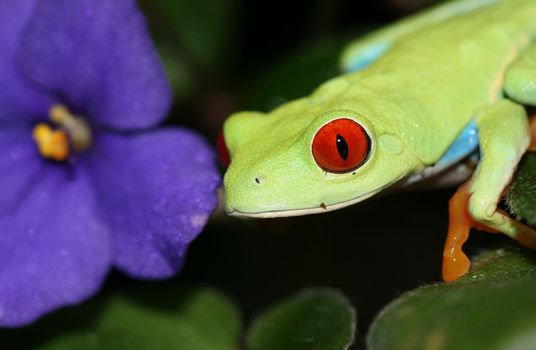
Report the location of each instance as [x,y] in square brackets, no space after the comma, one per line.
[504,135]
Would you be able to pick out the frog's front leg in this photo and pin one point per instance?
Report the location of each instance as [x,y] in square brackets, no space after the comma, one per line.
[504,135]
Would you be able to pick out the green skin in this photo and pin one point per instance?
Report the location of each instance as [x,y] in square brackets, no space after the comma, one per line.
[444,68]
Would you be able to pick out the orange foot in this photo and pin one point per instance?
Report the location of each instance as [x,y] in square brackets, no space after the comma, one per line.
[455,262]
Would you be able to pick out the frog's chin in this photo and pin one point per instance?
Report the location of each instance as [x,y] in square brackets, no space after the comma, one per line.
[318,209]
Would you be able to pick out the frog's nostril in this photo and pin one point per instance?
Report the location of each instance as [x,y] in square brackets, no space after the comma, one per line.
[260,180]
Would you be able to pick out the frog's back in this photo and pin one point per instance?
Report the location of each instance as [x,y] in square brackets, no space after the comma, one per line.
[433,80]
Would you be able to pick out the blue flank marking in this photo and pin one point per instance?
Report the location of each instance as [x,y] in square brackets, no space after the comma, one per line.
[464,145]
[367,57]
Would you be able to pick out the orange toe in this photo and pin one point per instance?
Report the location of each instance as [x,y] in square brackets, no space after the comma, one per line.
[455,262]
[532,146]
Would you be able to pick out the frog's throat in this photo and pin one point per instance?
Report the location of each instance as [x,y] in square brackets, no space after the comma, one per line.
[318,209]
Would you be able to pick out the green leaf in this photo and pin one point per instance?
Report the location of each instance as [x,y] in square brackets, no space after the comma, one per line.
[177,71]
[317,319]
[143,318]
[492,307]
[300,72]
[202,29]
[521,198]
[295,76]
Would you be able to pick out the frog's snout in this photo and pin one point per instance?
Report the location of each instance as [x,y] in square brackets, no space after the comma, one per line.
[243,191]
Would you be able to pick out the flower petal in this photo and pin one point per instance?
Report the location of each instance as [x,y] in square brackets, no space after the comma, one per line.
[20,165]
[156,190]
[53,249]
[18,100]
[96,55]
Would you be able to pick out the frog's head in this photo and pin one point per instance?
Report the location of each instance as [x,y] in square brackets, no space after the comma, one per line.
[303,164]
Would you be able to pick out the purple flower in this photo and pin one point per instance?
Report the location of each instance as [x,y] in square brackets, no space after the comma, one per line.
[87,181]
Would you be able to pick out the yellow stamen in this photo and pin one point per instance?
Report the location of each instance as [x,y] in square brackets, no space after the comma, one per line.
[52,144]
[68,134]
[77,128]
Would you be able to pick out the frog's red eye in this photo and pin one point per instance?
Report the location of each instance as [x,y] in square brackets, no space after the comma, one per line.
[225,158]
[340,146]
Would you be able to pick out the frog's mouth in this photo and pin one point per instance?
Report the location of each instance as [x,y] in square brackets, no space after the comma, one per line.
[320,208]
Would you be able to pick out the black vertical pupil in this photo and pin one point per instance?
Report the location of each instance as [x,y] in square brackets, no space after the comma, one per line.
[342,147]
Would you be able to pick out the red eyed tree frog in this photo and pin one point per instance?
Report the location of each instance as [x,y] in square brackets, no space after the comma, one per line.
[417,97]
